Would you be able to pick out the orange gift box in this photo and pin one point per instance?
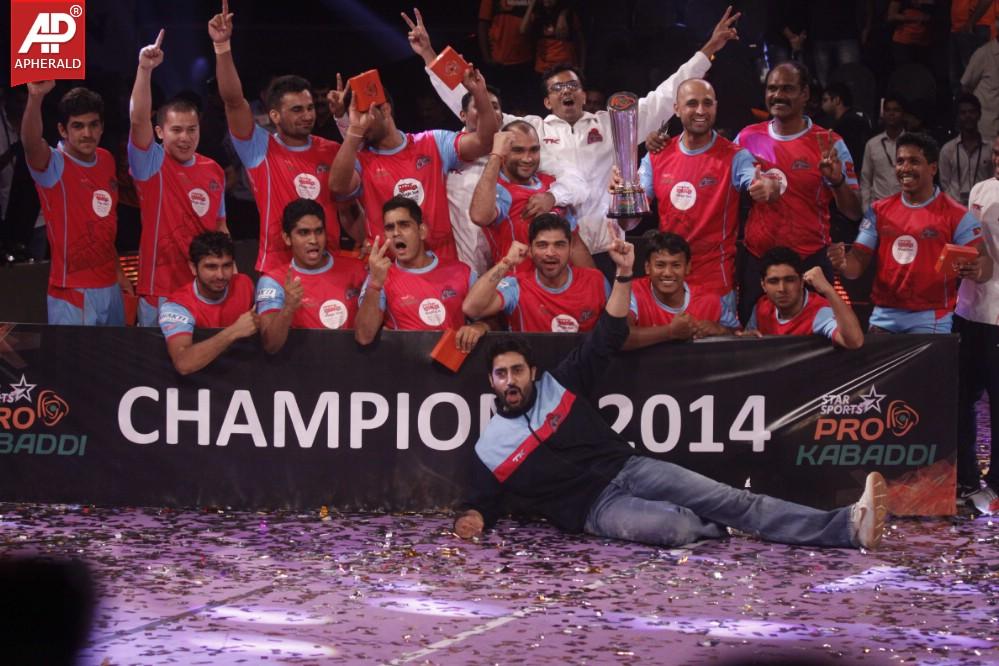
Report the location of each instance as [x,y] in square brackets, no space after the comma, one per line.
[450,67]
[367,89]
[952,255]
[447,353]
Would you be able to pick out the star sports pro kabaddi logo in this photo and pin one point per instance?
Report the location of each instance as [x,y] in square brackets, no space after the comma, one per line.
[47,40]
[25,408]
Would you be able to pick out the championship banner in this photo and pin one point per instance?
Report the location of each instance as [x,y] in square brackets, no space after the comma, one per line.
[98,415]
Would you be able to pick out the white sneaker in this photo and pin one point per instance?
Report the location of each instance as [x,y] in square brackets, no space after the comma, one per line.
[984,500]
[867,516]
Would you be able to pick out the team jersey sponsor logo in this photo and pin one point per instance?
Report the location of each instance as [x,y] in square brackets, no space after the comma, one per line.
[173,318]
[333,313]
[683,196]
[199,201]
[267,293]
[422,161]
[102,203]
[447,293]
[904,249]
[409,188]
[780,176]
[586,315]
[564,323]
[552,139]
[800,165]
[432,312]
[929,234]
[594,136]
[708,181]
[307,186]
[322,168]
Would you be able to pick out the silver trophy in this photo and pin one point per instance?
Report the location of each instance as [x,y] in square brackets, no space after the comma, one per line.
[629,200]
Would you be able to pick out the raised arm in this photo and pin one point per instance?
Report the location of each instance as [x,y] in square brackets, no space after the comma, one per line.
[188,356]
[36,150]
[482,209]
[483,300]
[369,315]
[344,178]
[275,324]
[141,105]
[472,146]
[845,194]
[237,109]
[848,332]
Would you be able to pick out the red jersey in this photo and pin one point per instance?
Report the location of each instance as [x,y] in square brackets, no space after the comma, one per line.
[177,202]
[510,225]
[907,240]
[279,175]
[698,195]
[428,298]
[800,218]
[702,305]
[329,293]
[79,202]
[186,309]
[416,170]
[816,317]
[531,307]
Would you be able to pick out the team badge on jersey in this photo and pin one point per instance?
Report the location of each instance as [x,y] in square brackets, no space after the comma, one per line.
[779,175]
[199,201]
[432,312]
[101,203]
[683,196]
[564,323]
[594,136]
[904,249]
[333,313]
[307,186]
[409,188]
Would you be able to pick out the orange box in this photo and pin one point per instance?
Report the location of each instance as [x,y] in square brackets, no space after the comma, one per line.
[447,353]
[450,67]
[954,254]
[367,89]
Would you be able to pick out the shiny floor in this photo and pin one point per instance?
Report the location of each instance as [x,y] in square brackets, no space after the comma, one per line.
[227,587]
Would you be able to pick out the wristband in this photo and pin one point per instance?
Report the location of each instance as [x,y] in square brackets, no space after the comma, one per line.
[222,47]
[496,155]
[355,135]
[624,278]
[829,183]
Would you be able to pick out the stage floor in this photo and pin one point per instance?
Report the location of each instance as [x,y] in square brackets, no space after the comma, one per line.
[226,587]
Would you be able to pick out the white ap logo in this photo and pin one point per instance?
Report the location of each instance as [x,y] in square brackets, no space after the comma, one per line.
[49,30]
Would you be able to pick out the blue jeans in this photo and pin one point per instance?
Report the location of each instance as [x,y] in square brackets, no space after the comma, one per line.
[656,502]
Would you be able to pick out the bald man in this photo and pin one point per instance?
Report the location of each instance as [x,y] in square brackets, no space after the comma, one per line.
[697,177]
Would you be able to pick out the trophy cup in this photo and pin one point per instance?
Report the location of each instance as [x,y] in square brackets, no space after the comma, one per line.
[628,201]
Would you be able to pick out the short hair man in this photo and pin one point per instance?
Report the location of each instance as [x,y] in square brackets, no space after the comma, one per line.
[219,297]
[966,159]
[513,190]
[391,163]
[787,308]
[78,189]
[290,164]
[977,320]
[316,289]
[696,178]
[550,448]
[419,291]
[181,193]
[554,298]
[907,231]
[572,135]
[848,122]
[666,307]
[815,169]
[877,176]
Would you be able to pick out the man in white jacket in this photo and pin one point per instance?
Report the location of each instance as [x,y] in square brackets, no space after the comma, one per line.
[574,136]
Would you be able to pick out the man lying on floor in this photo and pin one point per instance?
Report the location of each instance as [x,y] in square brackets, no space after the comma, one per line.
[553,450]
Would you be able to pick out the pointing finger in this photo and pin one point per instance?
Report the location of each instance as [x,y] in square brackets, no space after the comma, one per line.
[225,7]
[409,22]
[339,82]
[419,17]
[159,38]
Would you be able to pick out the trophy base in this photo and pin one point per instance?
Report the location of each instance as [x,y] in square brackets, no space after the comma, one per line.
[628,204]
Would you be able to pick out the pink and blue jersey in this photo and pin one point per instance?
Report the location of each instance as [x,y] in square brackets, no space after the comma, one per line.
[177,202]
[425,299]
[79,202]
[698,195]
[906,240]
[800,218]
[280,174]
[700,304]
[816,318]
[186,309]
[329,293]
[417,170]
[510,225]
[530,306]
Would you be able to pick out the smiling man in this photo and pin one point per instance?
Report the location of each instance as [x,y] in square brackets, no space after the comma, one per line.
[181,193]
[552,450]
[419,291]
[78,191]
[666,307]
[217,298]
[814,168]
[554,297]
[907,231]
[316,289]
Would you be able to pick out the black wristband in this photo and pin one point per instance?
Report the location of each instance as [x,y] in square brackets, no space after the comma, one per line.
[623,278]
